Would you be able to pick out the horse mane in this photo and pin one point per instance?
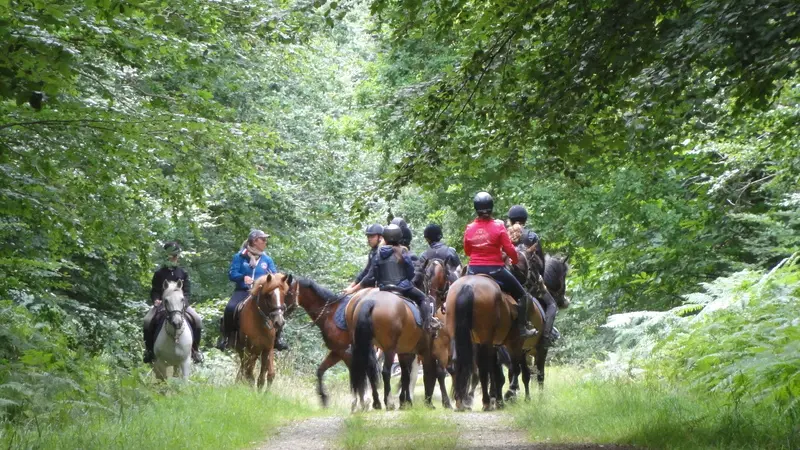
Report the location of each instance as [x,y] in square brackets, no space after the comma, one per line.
[322,292]
[555,270]
[258,284]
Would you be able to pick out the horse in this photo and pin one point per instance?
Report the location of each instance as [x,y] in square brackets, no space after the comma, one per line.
[173,345]
[259,318]
[479,312]
[321,305]
[384,318]
[552,283]
[436,283]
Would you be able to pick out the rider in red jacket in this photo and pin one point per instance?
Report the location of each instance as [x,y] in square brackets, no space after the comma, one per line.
[485,239]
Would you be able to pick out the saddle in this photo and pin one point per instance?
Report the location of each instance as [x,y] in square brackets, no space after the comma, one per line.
[160,318]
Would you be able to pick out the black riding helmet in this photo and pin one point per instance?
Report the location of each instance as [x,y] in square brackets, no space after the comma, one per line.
[433,232]
[484,204]
[407,236]
[172,248]
[374,229]
[518,213]
[392,234]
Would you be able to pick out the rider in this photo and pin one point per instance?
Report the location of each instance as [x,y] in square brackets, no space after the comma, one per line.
[437,250]
[374,233]
[248,265]
[517,217]
[393,271]
[485,239]
[171,271]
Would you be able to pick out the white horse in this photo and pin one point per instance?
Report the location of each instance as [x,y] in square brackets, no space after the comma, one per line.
[173,346]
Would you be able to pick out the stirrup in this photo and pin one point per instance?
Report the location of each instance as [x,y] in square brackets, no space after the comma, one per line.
[525,332]
[197,357]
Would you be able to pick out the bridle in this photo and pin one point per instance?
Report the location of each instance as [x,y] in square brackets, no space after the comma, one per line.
[320,313]
[171,313]
[533,284]
[273,312]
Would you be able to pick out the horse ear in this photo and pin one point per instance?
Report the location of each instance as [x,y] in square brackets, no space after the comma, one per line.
[289,279]
[566,260]
[269,278]
[165,285]
[180,284]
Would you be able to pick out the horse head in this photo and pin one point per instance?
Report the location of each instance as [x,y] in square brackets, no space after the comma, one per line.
[555,276]
[269,293]
[436,282]
[174,302]
[528,270]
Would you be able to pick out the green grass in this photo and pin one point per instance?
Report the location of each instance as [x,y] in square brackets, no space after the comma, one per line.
[410,429]
[194,416]
[647,415]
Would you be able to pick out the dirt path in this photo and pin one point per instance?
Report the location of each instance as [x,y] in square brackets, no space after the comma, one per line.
[314,433]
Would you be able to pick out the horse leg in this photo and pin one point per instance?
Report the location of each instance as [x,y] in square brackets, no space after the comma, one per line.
[330,360]
[160,369]
[387,378]
[406,361]
[262,372]
[249,368]
[513,376]
[186,368]
[526,379]
[429,377]
[483,373]
[440,376]
[498,379]
[271,370]
[541,357]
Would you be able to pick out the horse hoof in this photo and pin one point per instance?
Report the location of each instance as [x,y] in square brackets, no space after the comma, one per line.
[376,405]
[488,407]
[527,397]
[429,405]
[447,405]
[324,399]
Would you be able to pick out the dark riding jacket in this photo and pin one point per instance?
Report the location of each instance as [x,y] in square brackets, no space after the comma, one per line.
[388,271]
[372,252]
[437,250]
[169,274]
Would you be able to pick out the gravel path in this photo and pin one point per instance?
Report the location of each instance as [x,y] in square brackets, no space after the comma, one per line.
[309,434]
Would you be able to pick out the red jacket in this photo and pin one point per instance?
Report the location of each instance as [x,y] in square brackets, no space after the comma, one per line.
[483,241]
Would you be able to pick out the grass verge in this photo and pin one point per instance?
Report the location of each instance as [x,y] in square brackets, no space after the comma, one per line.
[572,409]
[194,416]
[416,428]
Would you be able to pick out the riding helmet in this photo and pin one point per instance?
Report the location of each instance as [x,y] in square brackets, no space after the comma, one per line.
[374,229]
[518,213]
[407,236]
[484,204]
[433,232]
[392,234]
[172,248]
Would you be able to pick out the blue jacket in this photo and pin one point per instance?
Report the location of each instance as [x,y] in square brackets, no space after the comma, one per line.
[374,277]
[240,266]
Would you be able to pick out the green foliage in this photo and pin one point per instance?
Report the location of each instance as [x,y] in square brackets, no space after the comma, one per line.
[577,407]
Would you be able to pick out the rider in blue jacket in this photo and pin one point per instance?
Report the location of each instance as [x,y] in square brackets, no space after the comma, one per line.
[247,265]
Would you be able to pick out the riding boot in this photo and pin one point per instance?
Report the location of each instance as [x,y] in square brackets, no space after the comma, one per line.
[197,355]
[149,355]
[280,343]
[550,310]
[222,342]
[435,323]
[522,318]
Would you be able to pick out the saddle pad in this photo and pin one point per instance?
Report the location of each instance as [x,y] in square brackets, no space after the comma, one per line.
[338,316]
[341,323]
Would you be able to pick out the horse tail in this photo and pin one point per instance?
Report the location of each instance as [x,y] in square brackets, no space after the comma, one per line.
[465,300]
[363,354]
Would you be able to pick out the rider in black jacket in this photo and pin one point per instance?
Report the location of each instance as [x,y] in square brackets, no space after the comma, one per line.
[437,250]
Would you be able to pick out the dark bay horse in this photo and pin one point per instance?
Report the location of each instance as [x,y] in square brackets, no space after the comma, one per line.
[260,315]
[552,283]
[436,283]
[321,305]
[479,313]
[383,318]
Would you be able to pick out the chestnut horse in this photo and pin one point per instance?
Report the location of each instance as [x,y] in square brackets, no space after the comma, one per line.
[478,312]
[259,317]
[384,318]
[321,305]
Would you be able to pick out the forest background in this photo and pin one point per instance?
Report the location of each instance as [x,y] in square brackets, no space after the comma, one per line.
[655,142]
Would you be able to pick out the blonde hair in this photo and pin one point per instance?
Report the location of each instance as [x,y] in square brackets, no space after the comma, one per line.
[514,232]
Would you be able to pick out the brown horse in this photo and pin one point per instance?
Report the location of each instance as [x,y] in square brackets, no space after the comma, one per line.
[321,305]
[260,315]
[479,313]
[383,318]
[436,283]
[553,283]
